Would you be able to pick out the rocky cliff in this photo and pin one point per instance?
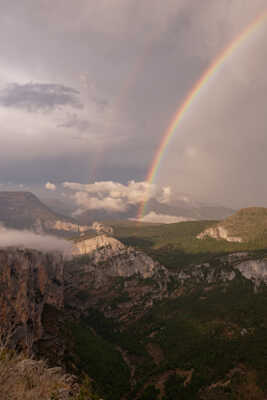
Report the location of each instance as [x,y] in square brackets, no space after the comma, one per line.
[31,283]
[107,269]
[138,305]
[123,282]
[107,256]
[101,228]
[119,280]
[219,232]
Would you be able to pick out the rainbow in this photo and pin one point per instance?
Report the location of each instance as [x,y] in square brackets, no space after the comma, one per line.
[194,92]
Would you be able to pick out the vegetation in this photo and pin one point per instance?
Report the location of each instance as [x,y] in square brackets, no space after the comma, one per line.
[211,337]
[176,245]
[25,379]
[249,223]
[211,334]
[207,342]
[99,359]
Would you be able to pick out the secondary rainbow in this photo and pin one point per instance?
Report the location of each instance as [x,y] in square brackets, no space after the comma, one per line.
[194,92]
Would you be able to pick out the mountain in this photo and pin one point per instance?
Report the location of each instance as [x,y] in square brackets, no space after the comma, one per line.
[172,332]
[61,206]
[141,328]
[184,208]
[247,225]
[187,207]
[23,210]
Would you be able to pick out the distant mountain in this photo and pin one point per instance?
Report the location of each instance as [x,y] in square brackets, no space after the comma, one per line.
[23,210]
[186,207]
[182,208]
[248,224]
[61,206]
[89,216]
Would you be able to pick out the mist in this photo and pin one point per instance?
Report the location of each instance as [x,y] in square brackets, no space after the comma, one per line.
[27,239]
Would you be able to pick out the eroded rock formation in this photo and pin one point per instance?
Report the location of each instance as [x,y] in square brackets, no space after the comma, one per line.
[30,282]
[218,232]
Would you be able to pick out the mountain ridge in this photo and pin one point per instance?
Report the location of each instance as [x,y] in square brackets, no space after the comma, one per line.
[247,224]
[23,210]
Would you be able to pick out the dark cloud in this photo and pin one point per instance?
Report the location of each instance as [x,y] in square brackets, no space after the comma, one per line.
[39,96]
[134,64]
[102,103]
[73,121]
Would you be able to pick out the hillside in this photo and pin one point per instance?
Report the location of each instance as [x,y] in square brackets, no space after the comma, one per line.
[247,225]
[140,330]
[23,210]
[174,333]
[172,243]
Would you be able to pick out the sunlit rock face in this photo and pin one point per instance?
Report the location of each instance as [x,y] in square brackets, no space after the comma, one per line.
[67,226]
[113,258]
[101,228]
[218,232]
[101,245]
[103,269]
[30,282]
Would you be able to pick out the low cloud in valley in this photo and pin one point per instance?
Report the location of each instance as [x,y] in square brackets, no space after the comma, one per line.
[27,239]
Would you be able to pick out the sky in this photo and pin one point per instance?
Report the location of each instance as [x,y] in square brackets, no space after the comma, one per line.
[89,87]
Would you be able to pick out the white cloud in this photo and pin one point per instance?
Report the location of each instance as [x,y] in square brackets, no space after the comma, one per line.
[166,195]
[85,202]
[27,239]
[114,196]
[163,218]
[50,186]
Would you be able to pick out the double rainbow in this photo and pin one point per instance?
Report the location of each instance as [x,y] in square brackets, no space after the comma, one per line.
[194,92]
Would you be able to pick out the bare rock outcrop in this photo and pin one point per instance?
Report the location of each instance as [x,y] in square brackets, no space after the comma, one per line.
[67,226]
[218,232]
[107,256]
[254,270]
[111,274]
[101,228]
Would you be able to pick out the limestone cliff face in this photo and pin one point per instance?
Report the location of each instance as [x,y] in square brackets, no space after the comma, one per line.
[67,226]
[56,225]
[101,228]
[29,282]
[218,232]
[120,281]
[112,273]
[109,257]
[227,269]
[93,281]
[98,246]
[205,273]
[254,270]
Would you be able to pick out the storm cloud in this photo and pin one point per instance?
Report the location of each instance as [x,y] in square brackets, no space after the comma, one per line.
[73,121]
[38,96]
[88,89]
